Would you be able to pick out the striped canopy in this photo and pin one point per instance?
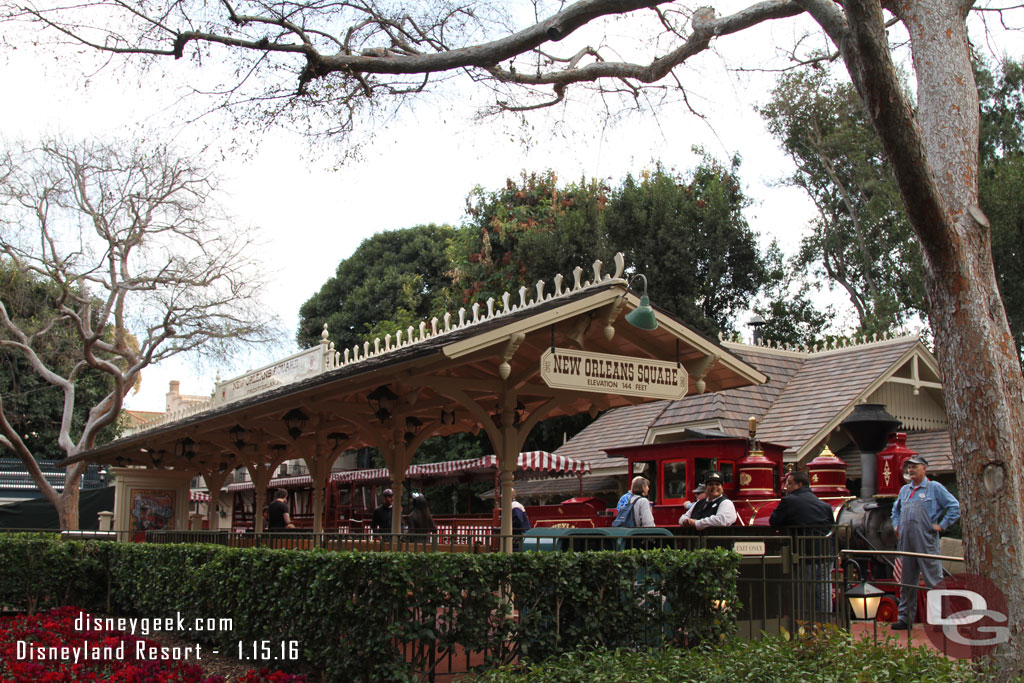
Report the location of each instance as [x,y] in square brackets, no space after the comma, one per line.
[531,464]
[199,497]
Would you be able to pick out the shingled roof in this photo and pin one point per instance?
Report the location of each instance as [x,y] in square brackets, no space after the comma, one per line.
[733,407]
[808,393]
[827,386]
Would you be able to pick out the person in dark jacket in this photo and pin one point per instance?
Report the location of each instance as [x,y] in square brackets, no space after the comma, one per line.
[807,516]
[800,507]
[381,523]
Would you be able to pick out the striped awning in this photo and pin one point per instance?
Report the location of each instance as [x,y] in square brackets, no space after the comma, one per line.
[294,482]
[199,497]
[531,464]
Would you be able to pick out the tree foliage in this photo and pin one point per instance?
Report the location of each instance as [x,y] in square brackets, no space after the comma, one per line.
[687,234]
[529,230]
[392,280]
[132,262]
[861,241]
[1001,182]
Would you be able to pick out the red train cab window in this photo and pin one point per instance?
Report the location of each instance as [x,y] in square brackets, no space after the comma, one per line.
[673,477]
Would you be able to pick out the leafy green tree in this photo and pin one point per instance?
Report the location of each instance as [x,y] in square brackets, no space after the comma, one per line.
[688,236]
[785,304]
[1001,182]
[393,280]
[862,240]
[529,230]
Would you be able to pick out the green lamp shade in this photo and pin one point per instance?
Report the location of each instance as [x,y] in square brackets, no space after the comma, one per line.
[643,316]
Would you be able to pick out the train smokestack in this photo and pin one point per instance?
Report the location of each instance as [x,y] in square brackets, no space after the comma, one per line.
[869,426]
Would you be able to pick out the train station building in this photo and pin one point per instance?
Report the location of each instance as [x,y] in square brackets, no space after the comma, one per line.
[591,344]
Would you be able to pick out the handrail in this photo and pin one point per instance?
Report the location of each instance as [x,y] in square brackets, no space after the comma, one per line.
[901,553]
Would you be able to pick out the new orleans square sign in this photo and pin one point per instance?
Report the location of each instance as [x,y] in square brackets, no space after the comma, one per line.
[604,373]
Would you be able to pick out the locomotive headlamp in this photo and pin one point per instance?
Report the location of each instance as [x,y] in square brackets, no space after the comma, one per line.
[642,316]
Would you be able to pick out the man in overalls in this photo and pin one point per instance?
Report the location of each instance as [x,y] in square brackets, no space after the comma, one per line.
[922,510]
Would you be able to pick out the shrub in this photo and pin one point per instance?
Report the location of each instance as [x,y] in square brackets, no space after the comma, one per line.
[828,656]
[360,616]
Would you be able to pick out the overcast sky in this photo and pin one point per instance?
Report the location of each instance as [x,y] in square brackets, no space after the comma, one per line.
[313,214]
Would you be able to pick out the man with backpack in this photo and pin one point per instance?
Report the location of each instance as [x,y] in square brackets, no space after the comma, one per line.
[637,512]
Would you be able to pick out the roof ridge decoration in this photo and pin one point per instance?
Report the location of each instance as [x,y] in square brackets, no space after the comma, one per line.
[325,357]
[833,344]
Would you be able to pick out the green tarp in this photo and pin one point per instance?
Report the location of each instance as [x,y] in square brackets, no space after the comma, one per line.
[40,514]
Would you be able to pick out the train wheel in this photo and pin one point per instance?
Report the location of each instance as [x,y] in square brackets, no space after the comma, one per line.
[888,609]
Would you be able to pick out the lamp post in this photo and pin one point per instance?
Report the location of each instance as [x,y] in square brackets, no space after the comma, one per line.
[864,599]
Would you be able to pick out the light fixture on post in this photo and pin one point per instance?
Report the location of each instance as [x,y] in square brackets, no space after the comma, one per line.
[412,423]
[335,439]
[295,420]
[237,434]
[186,448]
[642,316]
[382,401]
[864,599]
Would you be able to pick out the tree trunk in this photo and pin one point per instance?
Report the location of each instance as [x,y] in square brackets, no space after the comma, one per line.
[67,510]
[983,385]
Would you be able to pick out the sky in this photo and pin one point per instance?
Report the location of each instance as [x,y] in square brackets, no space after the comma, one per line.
[313,213]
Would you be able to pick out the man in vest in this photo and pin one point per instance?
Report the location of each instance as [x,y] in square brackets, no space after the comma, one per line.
[714,510]
[922,510]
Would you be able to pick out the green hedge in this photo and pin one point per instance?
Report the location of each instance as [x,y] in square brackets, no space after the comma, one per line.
[351,613]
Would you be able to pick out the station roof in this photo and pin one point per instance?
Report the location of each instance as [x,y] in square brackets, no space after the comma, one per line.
[444,378]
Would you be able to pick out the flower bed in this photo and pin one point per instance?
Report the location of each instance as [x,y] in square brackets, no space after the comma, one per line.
[47,648]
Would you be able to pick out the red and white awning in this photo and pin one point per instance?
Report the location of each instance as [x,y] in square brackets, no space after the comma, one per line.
[282,482]
[530,465]
[376,476]
[199,497]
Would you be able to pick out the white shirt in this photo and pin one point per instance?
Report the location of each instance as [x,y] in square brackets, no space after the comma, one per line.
[726,516]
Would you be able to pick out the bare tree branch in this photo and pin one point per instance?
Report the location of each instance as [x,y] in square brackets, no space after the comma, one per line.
[145,264]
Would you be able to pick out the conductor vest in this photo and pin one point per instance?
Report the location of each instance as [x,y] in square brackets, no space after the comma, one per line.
[706,508]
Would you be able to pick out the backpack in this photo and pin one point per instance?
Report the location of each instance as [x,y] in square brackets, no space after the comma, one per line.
[625,518]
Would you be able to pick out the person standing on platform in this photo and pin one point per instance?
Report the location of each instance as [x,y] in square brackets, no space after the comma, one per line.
[699,494]
[807,516]
[278,517]
[420,520]
[381,522]
[922,510]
